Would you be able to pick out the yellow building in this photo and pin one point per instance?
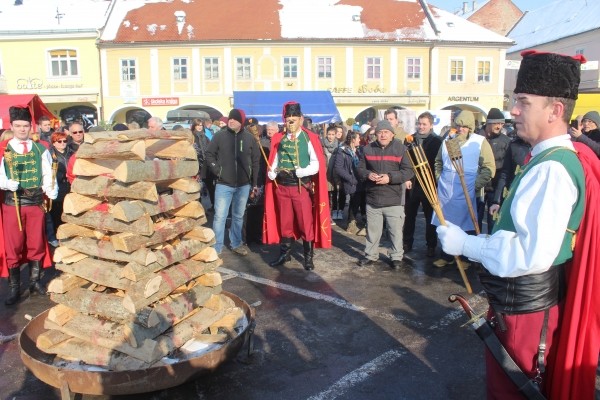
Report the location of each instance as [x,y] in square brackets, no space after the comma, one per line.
[159,56]
[53,54]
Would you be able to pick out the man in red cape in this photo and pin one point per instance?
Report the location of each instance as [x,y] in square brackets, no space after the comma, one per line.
[541,273]
[292,210]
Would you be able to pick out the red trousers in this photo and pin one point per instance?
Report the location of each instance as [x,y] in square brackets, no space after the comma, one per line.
[32,236]
[521,340]
[295,212]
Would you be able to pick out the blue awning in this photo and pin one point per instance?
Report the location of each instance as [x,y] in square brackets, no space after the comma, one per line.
[268,106]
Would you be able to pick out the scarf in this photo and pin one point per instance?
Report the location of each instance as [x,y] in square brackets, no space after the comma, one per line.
[328,146]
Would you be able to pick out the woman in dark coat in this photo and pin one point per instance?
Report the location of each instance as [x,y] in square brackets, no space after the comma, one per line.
[345,166]
[62,154]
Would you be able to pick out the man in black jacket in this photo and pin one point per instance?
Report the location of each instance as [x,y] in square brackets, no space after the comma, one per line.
[431,145]
[45,129]
[384,169]
[233,157]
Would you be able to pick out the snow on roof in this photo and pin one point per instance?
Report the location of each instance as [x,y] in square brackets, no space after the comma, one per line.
[555,21]
[396,20]
[41,15]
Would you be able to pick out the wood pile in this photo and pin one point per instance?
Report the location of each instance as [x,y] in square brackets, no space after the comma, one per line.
[139,277]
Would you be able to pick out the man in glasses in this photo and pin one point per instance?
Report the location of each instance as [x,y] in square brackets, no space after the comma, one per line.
[76,132]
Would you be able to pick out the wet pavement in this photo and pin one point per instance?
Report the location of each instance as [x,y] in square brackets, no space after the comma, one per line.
[339,332]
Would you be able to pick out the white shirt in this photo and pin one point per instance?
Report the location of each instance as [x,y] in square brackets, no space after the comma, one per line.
[46,167]
[540,212]
[311,169]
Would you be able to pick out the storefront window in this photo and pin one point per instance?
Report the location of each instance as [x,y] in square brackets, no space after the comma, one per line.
[63,63]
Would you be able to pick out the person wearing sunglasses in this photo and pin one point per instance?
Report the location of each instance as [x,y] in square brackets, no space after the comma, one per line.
[63,153]
[76,131]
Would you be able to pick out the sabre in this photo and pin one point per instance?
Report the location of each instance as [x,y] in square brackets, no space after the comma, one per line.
[254,130]
[54,170]
[417,158]
[8,157]
[456,158]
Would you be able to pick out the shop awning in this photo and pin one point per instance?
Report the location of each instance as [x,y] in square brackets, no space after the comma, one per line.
[33,101]
[268,106]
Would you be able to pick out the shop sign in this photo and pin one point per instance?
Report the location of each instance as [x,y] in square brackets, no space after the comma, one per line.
[130,100]
[366,89]
[512,64]
[37,84]
[340,90]
[463,98]
[160,101]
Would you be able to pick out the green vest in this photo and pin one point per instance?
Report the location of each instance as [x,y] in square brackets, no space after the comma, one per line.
[568,158]
[27,168]
[286,153]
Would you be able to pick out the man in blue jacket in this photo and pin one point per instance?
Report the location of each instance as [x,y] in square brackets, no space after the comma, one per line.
[384,168]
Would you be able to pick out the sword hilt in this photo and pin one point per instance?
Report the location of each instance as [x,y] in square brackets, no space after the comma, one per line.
[474,318]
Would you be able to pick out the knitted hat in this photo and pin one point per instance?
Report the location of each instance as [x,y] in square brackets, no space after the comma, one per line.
[223,119]
[237,115]
[593,116]
[19,114]
[549,74]
[465,118]
[384,124]
[495,116]
[364,128]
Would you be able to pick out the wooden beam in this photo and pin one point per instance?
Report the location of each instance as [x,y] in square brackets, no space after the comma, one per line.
[137,171]
[76,203]
[193,209]
[209,254]
[138,134]
[89,353]
[66,231]
[105,221]
[104,249]
[65,282]
[113,150]
[132,210]
[98,271]
[61,314]
[187,185]
[200,233]
[84,167]
[104,186]
[164,148]
[50,338]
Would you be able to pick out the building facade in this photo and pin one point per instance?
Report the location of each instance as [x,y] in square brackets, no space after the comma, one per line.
[162,56]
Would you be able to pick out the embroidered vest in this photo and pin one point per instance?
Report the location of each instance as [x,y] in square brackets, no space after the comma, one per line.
[286,153]
[27,168]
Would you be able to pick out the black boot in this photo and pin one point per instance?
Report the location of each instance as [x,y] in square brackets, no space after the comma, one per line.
[285,246]
[309,253]
[34,279]
[14,286]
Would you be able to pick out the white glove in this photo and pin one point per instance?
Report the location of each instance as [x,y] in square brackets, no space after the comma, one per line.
[300,172]
[12,185]
[452,238]
[52,194]
[272,174]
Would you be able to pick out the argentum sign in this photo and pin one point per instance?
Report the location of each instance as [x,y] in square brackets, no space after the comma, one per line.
[160,101]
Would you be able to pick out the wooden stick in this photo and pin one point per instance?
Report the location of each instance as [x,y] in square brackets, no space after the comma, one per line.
[425,178]
[8,158]
[456,158]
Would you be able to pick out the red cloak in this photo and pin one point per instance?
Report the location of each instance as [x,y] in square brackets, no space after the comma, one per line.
[321,213]
[46,261]
[573,374]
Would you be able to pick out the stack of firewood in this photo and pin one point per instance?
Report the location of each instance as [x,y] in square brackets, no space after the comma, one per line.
[139,277]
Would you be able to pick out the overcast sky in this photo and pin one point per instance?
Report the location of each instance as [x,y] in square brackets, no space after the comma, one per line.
[524,5]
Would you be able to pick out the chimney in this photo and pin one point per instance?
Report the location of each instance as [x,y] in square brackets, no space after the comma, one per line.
[465,7]
[474,5]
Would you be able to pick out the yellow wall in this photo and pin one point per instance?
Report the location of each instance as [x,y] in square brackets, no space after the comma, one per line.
[470,84]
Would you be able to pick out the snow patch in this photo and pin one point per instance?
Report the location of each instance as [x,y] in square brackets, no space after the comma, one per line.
[126,24]
[152,28]
[328,20]
[188,1]
[118,15]
[163,27]
[190,32]
[180,16]
[135,28]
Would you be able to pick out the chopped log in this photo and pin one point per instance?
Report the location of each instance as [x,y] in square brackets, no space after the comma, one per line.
[157,170]
[100,235]
[168,255]
[98,271]
[217,338]
[105,221]
[109,335]
[232,319]
[61,252]
[219,302]
[164,148]
[89,353]
[163,231]
[74,258]
[49,339]
[132,210]
[211,279]
[200,233]
[76,203]
[138,134]
[173,277]
[209,254]
[113,150]
[193,209]
[103,249]
[194,325]
[104,186]
[184,184]
[168,314]
[84,167]
[61,314]
[66,231]
[65,282]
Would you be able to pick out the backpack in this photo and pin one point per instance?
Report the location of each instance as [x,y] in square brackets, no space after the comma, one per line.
[332,176]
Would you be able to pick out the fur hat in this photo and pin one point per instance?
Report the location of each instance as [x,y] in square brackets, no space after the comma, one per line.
[549,74]
[237,115]
[19,114]
[593,116]
[465,118]
[384,124]
[495,116]
[291,109]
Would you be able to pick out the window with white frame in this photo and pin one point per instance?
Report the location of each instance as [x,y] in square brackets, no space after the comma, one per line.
[484,68]
[211,68]
[373,68]
[63,63]
[457,71]
[413,68]
[579,51]
[180,69]
[128,72]
[290,67]
[324,67]
[243,68]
